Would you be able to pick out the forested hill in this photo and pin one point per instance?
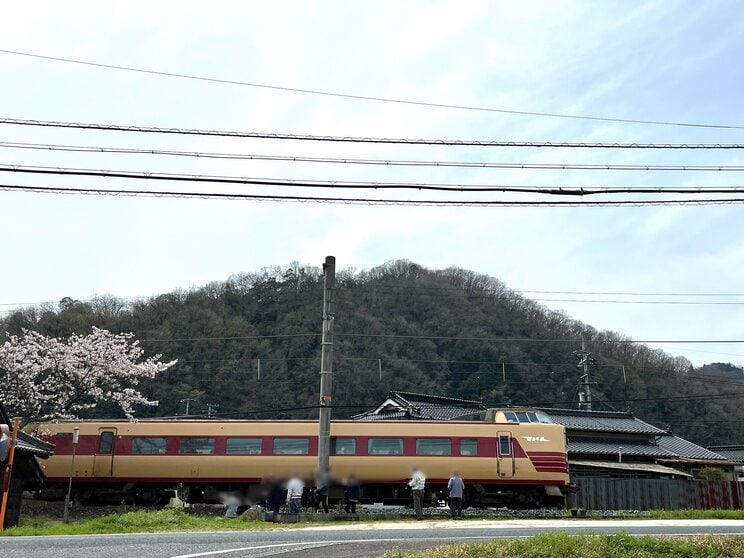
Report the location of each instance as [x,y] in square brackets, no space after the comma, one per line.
[394,326]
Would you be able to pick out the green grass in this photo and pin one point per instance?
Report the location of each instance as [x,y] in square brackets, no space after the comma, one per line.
[561,545]
[144,521]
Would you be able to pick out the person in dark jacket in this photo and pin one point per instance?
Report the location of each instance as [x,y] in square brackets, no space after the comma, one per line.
[322,489]
[275,498]
[353,494]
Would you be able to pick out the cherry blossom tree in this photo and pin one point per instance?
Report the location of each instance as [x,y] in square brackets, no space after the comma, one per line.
[44,378]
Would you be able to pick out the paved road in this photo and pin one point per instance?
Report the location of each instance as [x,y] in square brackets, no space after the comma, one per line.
[332,541]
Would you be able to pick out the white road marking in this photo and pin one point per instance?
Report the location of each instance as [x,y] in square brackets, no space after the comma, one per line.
[325,543]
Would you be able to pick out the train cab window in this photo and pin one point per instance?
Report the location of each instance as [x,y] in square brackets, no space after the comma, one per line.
[504,444]
[468,447]
[243,446]
[343,446]
[293,446]
[511,417]
[201,446]
[543,418]
[106,442]
[385,446]
[433,446]
[523,417]
[150,446]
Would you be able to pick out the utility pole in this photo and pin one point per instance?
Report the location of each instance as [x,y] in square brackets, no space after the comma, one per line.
[75,437]
[326,363]
[187,401]
[585,390]
[211,408]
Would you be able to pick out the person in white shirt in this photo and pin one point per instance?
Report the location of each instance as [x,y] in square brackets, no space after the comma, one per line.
[295,487]
[417,484]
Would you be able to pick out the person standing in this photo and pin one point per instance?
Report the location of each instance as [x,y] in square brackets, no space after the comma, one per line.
[456,487]
[275,497]
[295,487]
[353,494]
[322,490]
[417,484]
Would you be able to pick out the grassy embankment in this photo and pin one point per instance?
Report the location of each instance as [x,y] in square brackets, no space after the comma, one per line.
[143,521]
[150,521]
[561,545]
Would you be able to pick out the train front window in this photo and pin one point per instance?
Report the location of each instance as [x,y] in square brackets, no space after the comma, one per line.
[343,446]
[151,446]
[106,442]
[201,446]
[433,446]
[243,446]
[293,446]
[385,446]
[523,417]
[510,417]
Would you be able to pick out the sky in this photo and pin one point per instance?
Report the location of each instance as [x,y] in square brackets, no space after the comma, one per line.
[661,61]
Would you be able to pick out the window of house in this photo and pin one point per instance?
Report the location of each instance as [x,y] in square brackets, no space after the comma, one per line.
[468,447]
[196,446]
[433,446]
[293,446]
[157,446]
[343,446]
[385,446]
[243,446]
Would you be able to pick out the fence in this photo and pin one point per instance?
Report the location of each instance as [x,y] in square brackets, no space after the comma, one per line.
[647,494]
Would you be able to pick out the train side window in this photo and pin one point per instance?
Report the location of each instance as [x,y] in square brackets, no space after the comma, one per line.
[504,444]
[343,446]
[468,447]
[150,446]
[243,446]
[385,446]
[201,446]
[106,442]
[293,446]
[510,417]
[433,446]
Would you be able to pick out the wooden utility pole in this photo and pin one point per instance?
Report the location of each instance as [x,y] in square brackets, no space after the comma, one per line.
[326,363]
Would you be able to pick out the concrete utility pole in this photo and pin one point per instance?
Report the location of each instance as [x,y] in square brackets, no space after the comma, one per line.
[326,363]
[585,390]
[211,409]
[75,438]
[187,401]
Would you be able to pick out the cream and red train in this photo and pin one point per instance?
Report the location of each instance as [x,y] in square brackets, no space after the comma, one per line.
[513,458]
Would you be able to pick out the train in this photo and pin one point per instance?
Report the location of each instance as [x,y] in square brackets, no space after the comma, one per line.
[508,457]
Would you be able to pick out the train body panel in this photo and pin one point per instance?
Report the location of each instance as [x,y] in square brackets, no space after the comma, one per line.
[232,453]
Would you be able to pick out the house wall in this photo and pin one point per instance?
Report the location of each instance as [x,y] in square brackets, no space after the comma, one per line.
[650,494]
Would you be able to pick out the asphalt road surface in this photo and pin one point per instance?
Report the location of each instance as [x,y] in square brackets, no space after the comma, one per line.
[372,539]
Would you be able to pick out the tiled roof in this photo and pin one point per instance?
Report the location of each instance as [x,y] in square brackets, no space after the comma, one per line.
[601,421]
[612,447]
[686,449]
[27,443]
[734,453]
[30,444]
[407,405]
[422,398]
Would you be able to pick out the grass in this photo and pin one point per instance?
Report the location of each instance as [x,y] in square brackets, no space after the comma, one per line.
[143,521]
[561,545]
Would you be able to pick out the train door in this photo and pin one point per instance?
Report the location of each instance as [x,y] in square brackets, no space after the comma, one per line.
[103,459]
[505,455]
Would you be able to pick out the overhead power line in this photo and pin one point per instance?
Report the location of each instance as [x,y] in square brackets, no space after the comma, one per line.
[364,97]
[376,162]
[359,201]
[352,139]
[369,185]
